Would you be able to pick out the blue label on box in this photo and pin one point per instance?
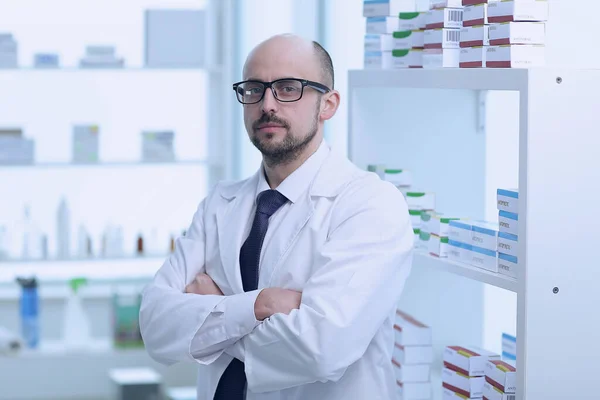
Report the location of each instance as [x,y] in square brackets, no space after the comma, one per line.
[509,215]
[483,251]
[508,193]
[376,19]
[484,230]
[508,236]
[461,225]
[508,356]
[507,257]
[510,338]
[376,1]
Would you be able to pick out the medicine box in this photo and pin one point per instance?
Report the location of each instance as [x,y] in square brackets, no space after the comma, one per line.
[508,222]
[508,244]
[475,2]
[518,33]
[472,57]
[416,237]
[438,246]
[507,265]
[474,36]
[445,3]
[411,332]
[389,25]
[412,373]
[448,394]
[413,354]
[501,375]
[442,38]
[444,18]
[484,235]
[516,56]
[468,386]
[517,10]
[460,231]
[441,58]
[440,225]
[158,146]
[509,348]
[468,360]
[508,200]
[460,252]
[414,390]
[135,383]
[415,218]
[384,8]
[426,221]
[85,143]
[492,393]
[398,177]
[484,258]
[16,150]
[418,200]
[395,41]
[475,15]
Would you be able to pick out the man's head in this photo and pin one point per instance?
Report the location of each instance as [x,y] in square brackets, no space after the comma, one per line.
[280,127]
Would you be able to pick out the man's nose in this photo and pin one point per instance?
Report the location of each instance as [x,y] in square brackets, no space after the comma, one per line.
[269,102]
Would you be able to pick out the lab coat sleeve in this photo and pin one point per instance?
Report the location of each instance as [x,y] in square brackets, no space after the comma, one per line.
[360,274]
[178,326]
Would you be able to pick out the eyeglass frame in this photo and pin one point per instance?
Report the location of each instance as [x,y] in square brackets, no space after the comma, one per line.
[319,87]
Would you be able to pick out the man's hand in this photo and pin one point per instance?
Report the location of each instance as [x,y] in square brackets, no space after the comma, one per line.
[276,300]
[203,284]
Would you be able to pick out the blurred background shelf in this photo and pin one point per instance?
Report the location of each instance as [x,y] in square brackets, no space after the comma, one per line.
[117,164]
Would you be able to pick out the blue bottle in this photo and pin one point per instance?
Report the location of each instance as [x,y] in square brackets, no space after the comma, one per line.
[29,310]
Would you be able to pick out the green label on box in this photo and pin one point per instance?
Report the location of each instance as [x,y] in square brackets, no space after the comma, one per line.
[408,15]
[414,194]
[402,34]
[400,53]
[415,212]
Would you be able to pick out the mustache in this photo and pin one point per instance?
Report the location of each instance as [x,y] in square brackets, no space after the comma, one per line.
[269,118]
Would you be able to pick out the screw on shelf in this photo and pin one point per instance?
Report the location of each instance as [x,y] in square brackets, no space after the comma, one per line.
[559,80]
[555,290]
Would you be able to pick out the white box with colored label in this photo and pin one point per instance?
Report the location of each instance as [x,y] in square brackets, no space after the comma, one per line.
[417,200]
[472,57]
[384,8]
[442,38]
[475,36]
[460,231]
[508,11]
[448,394]
[441,58]
[469,360]
[468,386]
[475,15]
[518,33]
[508,244]
[516,56]
[460,252]
[508,200]
[411,332]
[484,258]
[412,373]
[444,18]
[507,265]
[398,177]
[445,3]
[413,354]
[501,375]
[438,246]
[414,390]
[439,225]
[485,235]
[508,222]
[492,393]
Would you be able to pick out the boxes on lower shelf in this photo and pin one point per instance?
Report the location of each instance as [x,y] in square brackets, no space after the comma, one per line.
[460,231]
[445,3]
[441,58]
[484,235]
[448,394]
[411,332]
[468,386]
[508,244]
[460,252]
[484,258]
[508,200]
[414,390]
[507,11]
[412,373]
[492,393]
[507,265]
[475,15]
[518,33]
[516,56]
[475,36]
[439,225]
[413,354]
[418,200]
[508,222]
[472,57]
[444,18]
[411,58]
[501,375]
[442,38]
[438,246]
[387,8]
[468,360]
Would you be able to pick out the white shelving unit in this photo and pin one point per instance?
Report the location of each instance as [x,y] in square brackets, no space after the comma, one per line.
[430,122]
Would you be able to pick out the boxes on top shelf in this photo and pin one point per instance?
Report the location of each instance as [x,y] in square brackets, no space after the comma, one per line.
[85,143]
[475,15]
[475,2]
[389,25]
[469,386]
[438,246]
[492,393]
[441,58]
[414,390]
[468,360]
[412,373]
[472,57]
[516,10]
[508,222]
[484,235]
[384,8]
[415,218]
[445,4]
[394,41]
[484,258]
[442,38]
[508,244]
[413,354]
[474,36]
[501,375]
[440,225]
[444,18]
[458,251]
[507,265]
[412,58]
[508,200]
[460,231]
[418,200]
[448,394]
[517,33]
[411,332]
[398,177]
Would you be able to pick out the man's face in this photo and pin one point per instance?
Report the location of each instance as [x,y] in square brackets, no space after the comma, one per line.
[281,130]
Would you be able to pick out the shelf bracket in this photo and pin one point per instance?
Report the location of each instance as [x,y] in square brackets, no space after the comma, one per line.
[481,103]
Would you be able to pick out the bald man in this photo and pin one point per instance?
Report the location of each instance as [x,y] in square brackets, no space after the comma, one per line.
[286,285]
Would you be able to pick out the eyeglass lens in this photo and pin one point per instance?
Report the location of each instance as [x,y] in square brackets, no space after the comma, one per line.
[285,90]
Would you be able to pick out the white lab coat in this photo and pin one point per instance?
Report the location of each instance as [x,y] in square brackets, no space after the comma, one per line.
[346,244]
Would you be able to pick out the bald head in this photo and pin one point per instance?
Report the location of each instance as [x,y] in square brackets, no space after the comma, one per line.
[292,50]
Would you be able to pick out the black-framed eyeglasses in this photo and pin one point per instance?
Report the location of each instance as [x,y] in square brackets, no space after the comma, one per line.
[285,90]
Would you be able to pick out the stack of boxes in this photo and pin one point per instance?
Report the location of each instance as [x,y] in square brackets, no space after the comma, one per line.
[463,375]
[402,179]
[438,228]
[158,146]
[474,37]
[85,144]
[443,24]
[500,381]
[459,241]
[484,245]
[508,206]
[516,33]
[394,33]
[509,349]
[412,357]
[15,149]
[420,205]
[101,57]
[8,51]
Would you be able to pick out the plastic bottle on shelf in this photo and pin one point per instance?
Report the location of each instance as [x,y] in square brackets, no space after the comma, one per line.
[63,230]
[76,331]
[29,311]
[32,238]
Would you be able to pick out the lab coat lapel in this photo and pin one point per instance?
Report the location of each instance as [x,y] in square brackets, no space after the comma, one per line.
[231,224]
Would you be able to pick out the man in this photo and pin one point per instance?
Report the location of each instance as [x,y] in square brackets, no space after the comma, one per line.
[286,284]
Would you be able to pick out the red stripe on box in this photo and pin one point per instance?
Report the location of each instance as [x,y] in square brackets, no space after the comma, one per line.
[474,22]
[494,384]
[455,368]
[396,363]
[499,363]
[415,66]
[499,42]
[485,398]
[433,46]
[456,390]
[498,64]
[473,2]
[398,328]
[410,319]
[472,43]
[500,19]
[467,351]
[435,26]
[471,64]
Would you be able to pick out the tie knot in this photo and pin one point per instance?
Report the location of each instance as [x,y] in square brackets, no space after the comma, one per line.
[270,201]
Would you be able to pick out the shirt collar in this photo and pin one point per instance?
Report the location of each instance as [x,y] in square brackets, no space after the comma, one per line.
[294,185]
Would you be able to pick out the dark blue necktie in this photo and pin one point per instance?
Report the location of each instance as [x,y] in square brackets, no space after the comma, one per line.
[232,384]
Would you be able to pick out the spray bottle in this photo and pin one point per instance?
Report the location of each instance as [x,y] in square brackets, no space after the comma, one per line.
[76,332]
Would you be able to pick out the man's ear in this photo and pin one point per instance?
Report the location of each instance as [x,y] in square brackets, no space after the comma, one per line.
[330,103]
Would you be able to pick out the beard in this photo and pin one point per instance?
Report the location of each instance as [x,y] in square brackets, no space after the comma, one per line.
[292,145]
